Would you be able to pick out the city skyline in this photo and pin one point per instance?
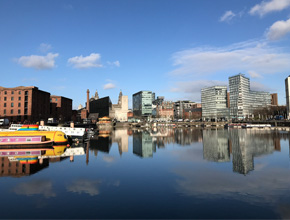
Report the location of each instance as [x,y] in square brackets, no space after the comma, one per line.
[173,48]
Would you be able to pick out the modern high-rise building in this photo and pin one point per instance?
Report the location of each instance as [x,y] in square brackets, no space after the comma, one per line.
[239,88]
[142,104]
[243,101]
[214,103]
[287,88]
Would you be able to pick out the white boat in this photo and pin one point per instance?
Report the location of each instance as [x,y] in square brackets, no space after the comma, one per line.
[256,126]
[74,133]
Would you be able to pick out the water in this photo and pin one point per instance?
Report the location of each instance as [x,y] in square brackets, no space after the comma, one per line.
[166,173]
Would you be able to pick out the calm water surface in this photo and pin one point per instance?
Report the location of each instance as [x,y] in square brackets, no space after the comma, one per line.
[165,173]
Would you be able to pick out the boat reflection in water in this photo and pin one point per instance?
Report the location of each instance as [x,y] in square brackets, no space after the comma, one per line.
[27,161]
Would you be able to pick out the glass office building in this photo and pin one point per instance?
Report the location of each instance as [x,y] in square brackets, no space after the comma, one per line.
[214,103]
[243,101]
[142,104]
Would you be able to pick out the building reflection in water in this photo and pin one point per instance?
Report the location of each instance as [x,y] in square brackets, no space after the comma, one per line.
[122,138]
[142,144]
[244,145]
[216,145]
[104,140]
[28,161]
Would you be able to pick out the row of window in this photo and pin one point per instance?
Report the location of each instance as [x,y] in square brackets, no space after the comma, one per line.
[12,98]
[12,92]
[12,112]
[12,104]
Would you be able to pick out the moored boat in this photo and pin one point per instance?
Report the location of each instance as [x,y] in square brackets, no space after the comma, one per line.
[24,141]
[57,137]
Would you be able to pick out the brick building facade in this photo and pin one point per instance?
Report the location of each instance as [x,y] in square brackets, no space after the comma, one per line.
[24,104]
[60,108]
[29,104]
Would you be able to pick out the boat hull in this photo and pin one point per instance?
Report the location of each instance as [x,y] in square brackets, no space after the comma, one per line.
[57,137]
[32,145]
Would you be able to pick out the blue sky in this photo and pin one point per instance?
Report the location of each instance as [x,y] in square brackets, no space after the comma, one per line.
[171,47]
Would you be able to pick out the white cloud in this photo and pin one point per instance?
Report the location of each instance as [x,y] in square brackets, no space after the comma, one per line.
[116,63]
[278,30]
[254,74]
[241,57]
[38,62]
[269,6]
[44,47]
[109,86]
[193,88]
[228,15]
[93,60]
[256,86]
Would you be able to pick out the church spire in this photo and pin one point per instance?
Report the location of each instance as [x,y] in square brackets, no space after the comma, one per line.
[120,97]
[96,95]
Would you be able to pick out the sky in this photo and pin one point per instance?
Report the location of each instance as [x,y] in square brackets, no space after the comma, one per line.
[171,47]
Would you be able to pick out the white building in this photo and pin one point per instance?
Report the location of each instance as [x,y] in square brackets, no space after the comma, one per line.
[120,111]
[214,103]
[243,101]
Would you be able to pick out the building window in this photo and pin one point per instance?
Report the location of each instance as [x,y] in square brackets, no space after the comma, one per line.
[4,111]
[56,100]
[5,98]
[19,111]
[26,92]
[11,111]
[19,104]
[12,104]
[19,92]
[12,98]
[12,92]
[4,104]
[19,98]
[5,92]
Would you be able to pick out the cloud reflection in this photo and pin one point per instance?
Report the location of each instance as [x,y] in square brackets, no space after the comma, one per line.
[35,187]
[205,182]
[90,187]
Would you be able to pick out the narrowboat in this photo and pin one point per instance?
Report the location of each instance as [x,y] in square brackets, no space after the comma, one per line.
[57,137]
[24,141]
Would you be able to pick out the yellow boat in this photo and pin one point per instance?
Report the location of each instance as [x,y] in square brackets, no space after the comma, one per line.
[57,137]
